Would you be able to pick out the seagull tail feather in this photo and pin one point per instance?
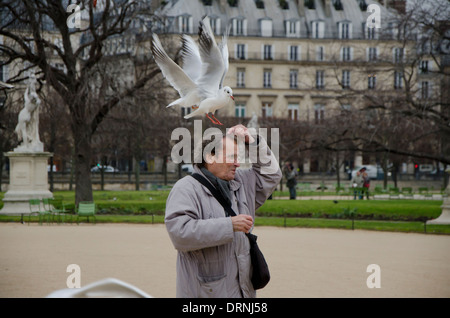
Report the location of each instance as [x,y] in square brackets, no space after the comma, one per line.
[194,113]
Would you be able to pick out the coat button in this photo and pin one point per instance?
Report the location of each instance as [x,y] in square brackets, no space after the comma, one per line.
[210,290]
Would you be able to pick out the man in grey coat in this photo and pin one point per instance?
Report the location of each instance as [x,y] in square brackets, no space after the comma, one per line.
[213,251]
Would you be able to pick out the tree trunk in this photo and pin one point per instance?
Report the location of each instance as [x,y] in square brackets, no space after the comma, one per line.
[385,171]
[50,176]
[102,173]
[395,169]
[1,170]
[164,169]
[137,173]
[72,169]
[338,165]
[83,182]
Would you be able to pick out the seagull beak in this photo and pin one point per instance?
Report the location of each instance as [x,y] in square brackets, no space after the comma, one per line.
[232,97]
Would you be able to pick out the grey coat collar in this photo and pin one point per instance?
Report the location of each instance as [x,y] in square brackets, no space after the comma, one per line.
[234,184]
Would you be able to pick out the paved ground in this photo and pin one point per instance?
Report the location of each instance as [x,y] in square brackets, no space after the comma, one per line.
[303,262]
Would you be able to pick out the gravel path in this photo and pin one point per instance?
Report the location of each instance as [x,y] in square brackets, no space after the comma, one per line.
[303,262]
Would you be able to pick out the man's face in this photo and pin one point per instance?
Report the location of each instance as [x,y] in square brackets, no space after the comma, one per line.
[224,163]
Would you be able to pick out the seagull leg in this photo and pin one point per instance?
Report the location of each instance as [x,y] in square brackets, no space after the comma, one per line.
[217,121]
[214,122]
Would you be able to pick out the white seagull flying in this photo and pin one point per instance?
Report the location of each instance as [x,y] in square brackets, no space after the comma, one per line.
[200,81]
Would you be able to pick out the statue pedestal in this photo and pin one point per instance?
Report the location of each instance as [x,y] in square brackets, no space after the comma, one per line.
[28,180]
[444,218]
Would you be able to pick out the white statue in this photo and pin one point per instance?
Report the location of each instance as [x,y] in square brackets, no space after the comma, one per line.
[27,128]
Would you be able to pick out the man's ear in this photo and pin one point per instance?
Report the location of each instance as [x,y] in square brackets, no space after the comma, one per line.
[210,158]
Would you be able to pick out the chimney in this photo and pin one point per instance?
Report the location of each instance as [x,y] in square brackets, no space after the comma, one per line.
[301,7]
[327,7]
[399,5]
[223,4]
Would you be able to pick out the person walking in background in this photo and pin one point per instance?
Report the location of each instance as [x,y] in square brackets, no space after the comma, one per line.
[366,184]
[357,184]
[291,180]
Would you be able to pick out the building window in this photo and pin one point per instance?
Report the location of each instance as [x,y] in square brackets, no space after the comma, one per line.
[346,53]
[317,29]
[267,110]
[185,111]
[293,111]
[310,4]
[293,76]
[392,30]
[240,109]
[267,52]
[240,77]
[291,29]
[267,78]
[345,30]
[371,33]
[319,80]
[345,79]
[372,54]
[293,53]
[215,25]
[241,51]
[371,81]
[424,90]
[239,27]
[338,5]
[185,24]
[319,113]
[398,80]
[319,53]
[266,27]
[398,55]
[424,67]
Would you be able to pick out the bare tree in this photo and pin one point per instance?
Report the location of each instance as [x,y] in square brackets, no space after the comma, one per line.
[26,26]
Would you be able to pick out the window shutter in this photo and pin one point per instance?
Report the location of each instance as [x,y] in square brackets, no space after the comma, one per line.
[190,25]
[218,27]
[321,30]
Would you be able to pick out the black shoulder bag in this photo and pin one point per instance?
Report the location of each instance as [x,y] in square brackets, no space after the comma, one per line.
[260,274]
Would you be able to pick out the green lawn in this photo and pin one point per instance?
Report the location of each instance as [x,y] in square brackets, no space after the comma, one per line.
[392,226]
[373,209]
[390,215]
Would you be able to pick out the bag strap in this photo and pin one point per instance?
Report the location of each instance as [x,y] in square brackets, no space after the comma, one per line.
[228,209]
